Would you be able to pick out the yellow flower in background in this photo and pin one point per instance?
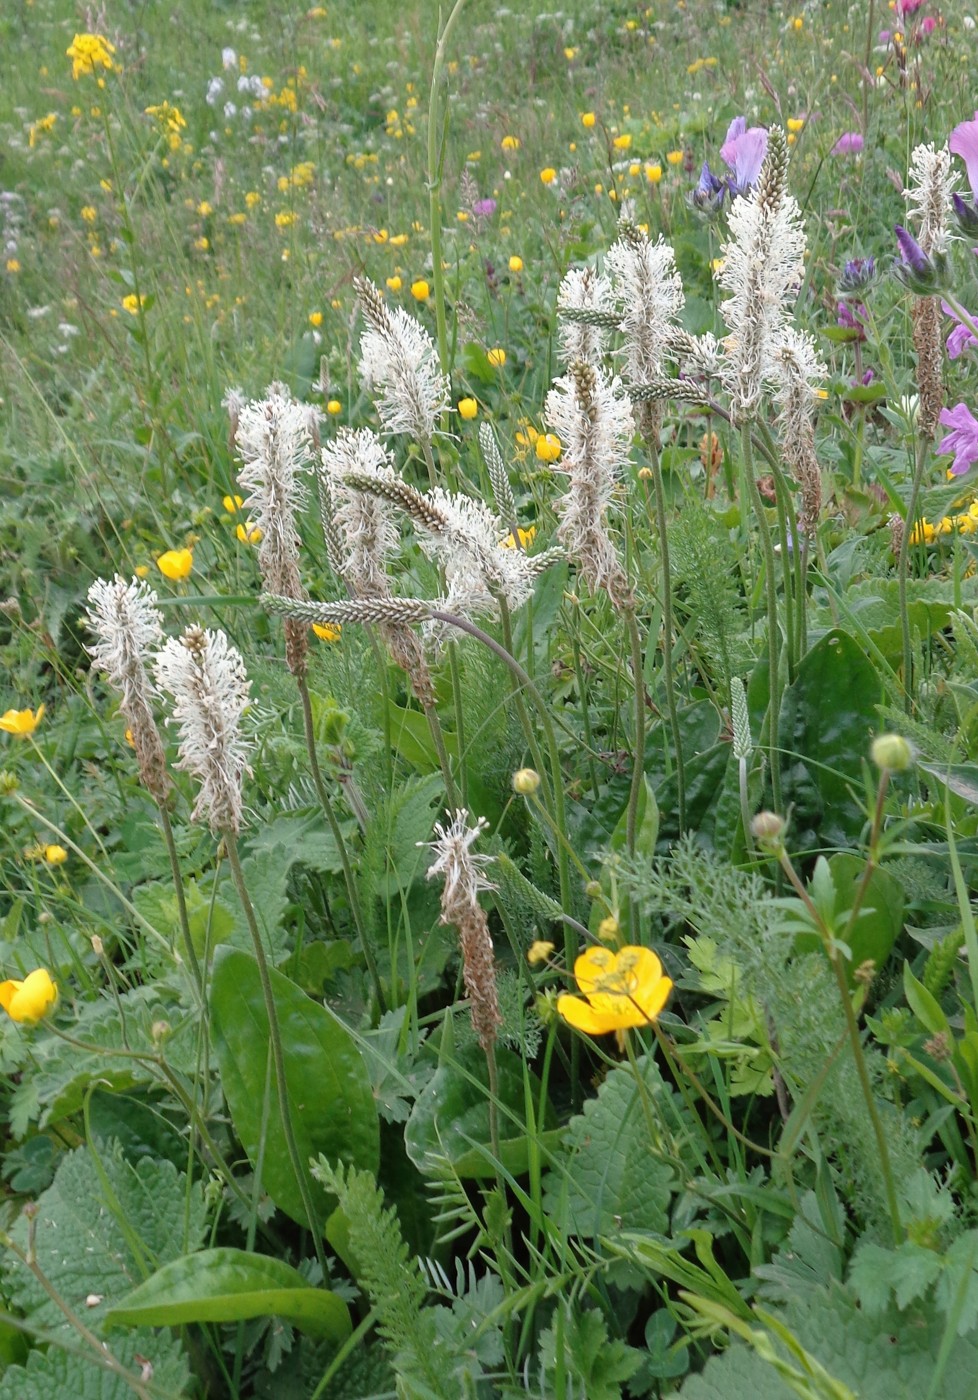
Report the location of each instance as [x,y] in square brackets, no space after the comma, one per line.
[315,319]
[29,1001]
[89,213]
[249,533]
[334,406]
[394,283]
[548,447]
[516,263]
[539,951]
[21,723]
[510,143]
[526,537]
[548,175]
[327,631]
[176,564]
[169,118]
[468,409]
[132,303]
[675,157]
[88,52]
[420,290]
[653,173]
[232,503]
[496,357]
[588,119]
[618,990]
[923,533]
[55,855]
[622,142]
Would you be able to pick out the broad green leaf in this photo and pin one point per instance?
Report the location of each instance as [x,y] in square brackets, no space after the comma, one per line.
[451,1116]
[54,1374]
[332,1109]
[827,714]
[880,916]
[231,1285]
[924,1004]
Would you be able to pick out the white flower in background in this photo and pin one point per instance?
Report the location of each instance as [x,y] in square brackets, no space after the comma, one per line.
[399,357]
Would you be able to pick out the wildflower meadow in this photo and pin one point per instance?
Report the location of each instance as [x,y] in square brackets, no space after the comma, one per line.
[489,700]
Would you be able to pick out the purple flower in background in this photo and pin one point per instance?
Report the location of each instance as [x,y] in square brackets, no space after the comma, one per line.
[961,337]
[484,208]
[963,441]
[707,197]
[850,143]
[743,151]
[852,318]
[857,274]
[964,143]
[924,275]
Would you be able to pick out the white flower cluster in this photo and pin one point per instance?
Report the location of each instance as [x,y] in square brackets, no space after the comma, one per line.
[928,195]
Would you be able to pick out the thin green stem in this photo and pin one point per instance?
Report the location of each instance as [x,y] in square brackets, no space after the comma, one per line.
[771,590]
[667,672]
[188,942]
[459,720]
[278,1056]
[909,522]
[334,826]
[855,1040]
[438,739]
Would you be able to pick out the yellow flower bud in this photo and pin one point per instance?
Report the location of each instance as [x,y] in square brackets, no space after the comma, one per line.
[892,753]
[526,781]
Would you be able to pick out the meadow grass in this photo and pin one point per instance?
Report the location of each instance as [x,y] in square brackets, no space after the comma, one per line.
[555,972]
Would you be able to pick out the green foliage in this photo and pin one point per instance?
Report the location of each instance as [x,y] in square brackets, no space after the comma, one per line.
[578,1345]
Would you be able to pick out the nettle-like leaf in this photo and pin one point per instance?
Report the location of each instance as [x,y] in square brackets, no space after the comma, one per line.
[882,1277]
[56,1374]
[102,1227]
[589,1358]
[612,1178]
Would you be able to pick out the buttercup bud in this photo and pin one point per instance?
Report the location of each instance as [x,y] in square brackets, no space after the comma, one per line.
[592,889]
[891,753]
[767,828]
[526,781]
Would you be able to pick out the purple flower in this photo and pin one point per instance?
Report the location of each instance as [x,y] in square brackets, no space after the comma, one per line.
[743,151]
[961,337]
[857,274]
[923,274]
[852,318]
[963,441]
[850,143]
[964,143]
[484,208]
[707,197]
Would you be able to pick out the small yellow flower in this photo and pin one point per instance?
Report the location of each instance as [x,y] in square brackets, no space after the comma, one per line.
[232,503]
[510,143]
[395,283]
[622,142]
[468,409]
[205,209]
[55,855]
[21,723]
[618,990]
[13,264]
[923,533]
[548,175]
[653,173]
[797,24]
[420,290]
[496,357]
[88,52]
[547,447]
[249,533]
[29,1001]
[588,119]
[141,570]
[315,318]
[526,537]
[795,124]
[539,952]
[252,198]
[176,564]
[132,303]
[334,406]
[285,218]
[516,263]
[675,157]
[89,213]
[327,631]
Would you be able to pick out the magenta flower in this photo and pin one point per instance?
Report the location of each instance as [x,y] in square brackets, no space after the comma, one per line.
[964,143]
[962,441]
[850,143]
[484,208]
[743,151]
[908,7]
[961,337]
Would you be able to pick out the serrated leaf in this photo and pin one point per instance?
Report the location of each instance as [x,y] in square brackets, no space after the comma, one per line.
[231,1285]
[611,1179]
[589,1356]
[56,1374]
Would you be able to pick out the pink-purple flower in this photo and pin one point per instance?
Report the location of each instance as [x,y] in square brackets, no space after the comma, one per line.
[964,143]
[743,151]
[962,440]
[850,143]
[961,337]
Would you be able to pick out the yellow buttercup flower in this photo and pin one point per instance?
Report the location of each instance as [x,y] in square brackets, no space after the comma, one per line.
[232,503]
[622,142]
[29,1001]
[88,52]
[548,175]
[249,533]
[526,537]
[588,119]
[548,447]
[420,290]
[327,631]
[394,283]
[675,157]
[468,408]
[21,723]
[516,263]
[55,855]
[618,990]
[496,357]
[510,143]
[132,303]
[334,406]
[176,564]
[315,318]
